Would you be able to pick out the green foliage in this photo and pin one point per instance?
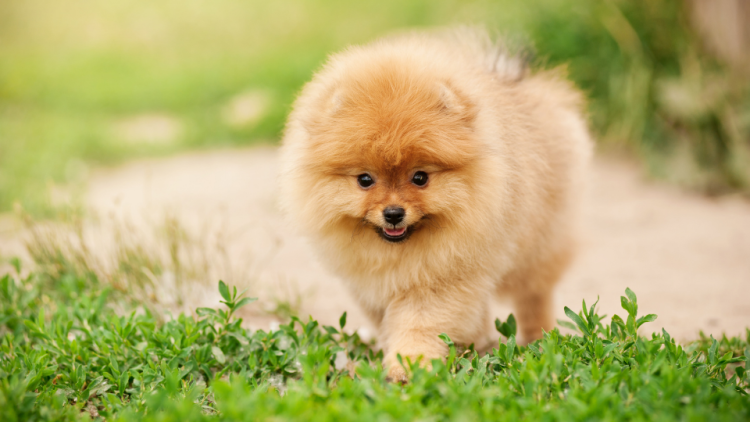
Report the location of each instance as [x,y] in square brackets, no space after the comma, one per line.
[507,328]
[76,351]
[652,86]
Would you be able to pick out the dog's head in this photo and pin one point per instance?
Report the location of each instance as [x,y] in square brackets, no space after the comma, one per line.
[387,148]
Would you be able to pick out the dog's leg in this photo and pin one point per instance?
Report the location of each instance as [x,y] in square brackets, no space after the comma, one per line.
[532,293]
[375,315]
[534,313]
[416,317]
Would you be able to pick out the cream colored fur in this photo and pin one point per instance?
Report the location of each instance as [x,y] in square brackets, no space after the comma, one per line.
[505,151]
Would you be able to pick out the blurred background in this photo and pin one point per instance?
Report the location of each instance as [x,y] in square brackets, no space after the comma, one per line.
[150,107]
[86,82]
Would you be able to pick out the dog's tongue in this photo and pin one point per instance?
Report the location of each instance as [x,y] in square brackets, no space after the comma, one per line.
[395,232]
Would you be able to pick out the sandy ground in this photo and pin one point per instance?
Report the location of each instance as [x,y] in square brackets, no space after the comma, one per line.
[686,256]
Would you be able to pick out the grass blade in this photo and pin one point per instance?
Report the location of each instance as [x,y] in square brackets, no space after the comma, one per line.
[577,319]
[224,290]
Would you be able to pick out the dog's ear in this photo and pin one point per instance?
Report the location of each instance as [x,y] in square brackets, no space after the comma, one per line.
[450,100]
[454,103]
[334,102]
[328,105]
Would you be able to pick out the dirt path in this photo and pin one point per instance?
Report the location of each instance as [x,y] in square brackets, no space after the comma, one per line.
[687,257]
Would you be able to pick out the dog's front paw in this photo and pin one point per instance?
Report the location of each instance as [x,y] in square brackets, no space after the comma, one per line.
[398,374]
[396,371]
[401,373]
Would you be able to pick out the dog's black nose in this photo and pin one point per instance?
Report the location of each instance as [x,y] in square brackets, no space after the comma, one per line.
[394,215]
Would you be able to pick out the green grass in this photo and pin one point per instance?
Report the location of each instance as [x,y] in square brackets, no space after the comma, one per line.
[72,348]
[71,73]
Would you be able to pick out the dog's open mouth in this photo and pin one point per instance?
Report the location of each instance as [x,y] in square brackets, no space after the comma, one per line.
[395,234]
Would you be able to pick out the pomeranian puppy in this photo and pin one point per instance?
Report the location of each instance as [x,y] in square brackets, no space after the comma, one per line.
[433,171]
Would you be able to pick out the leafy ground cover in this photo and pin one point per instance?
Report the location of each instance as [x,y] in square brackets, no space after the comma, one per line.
[72,348]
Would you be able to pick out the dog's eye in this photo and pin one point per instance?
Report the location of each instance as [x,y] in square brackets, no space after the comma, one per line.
[365,180]
[419,178]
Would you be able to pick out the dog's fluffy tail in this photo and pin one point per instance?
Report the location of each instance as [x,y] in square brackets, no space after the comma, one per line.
[509,61]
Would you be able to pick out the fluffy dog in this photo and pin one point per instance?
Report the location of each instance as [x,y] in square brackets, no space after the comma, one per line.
[432,171]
